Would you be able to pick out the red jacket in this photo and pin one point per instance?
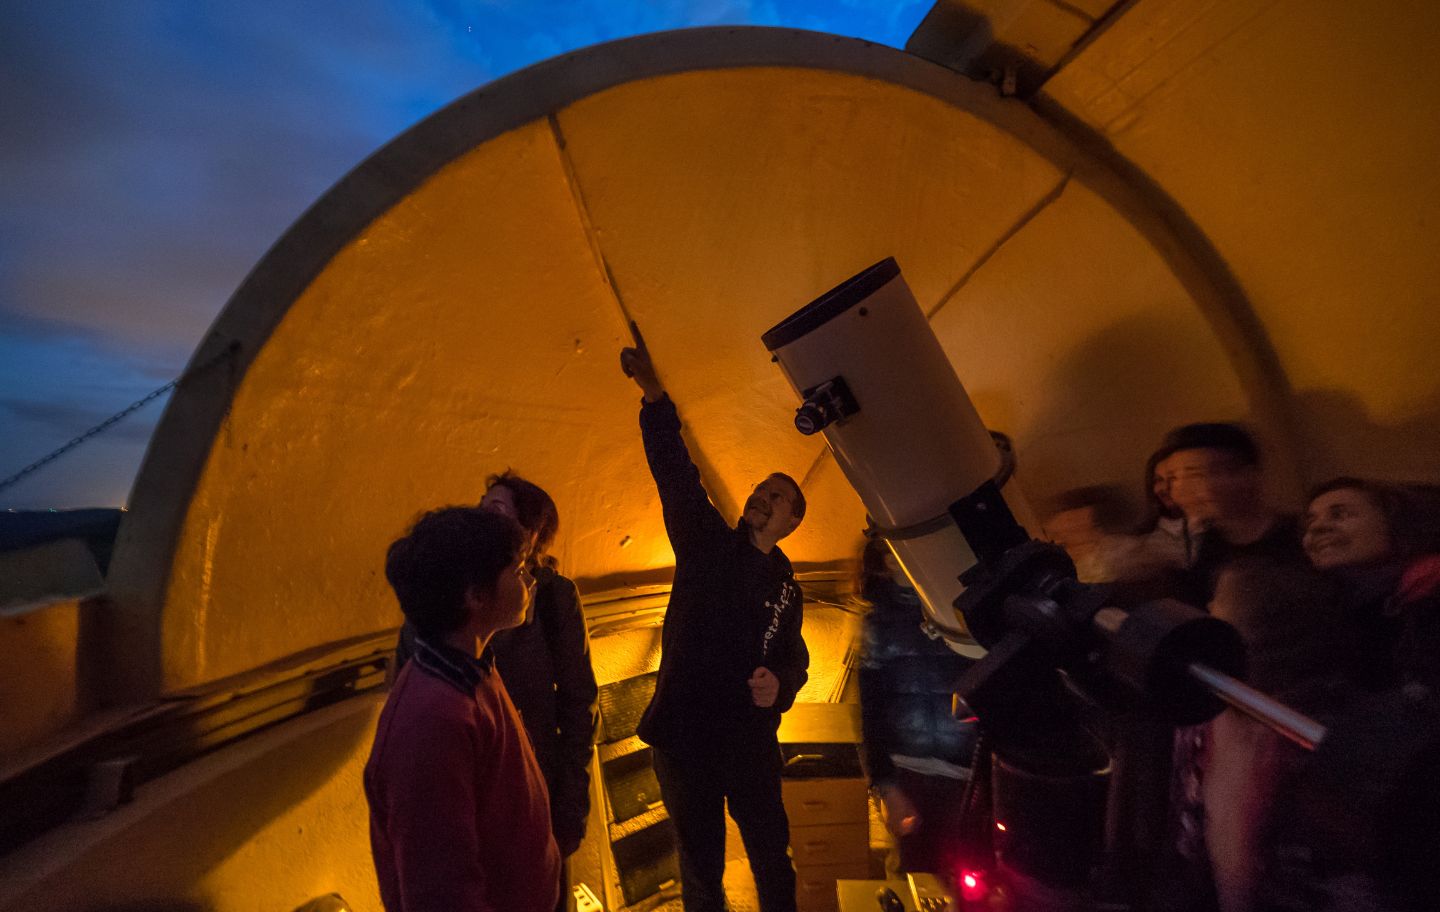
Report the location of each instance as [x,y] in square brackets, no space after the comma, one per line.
[459,815]
[1417,603]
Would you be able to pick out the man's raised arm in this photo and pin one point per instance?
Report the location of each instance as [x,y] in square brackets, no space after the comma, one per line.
[690,517]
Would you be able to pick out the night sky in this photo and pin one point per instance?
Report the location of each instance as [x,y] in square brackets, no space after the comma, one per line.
[152,151]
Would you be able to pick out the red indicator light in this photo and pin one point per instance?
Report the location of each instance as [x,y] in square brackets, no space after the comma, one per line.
[972,886]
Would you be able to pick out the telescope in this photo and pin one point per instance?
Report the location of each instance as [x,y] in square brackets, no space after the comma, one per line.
[1053,653]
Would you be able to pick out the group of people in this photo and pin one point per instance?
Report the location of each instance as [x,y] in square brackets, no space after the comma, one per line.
[1335,603]
[1338,605]
[478,781]
[491,716]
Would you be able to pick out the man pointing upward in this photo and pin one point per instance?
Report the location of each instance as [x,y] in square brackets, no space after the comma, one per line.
[731,662]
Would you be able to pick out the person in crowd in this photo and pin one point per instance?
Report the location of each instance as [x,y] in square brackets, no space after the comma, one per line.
[545,664]
[1213,474]
[1215,479]
[1230,772]
[1380,543]
[1088,522]
[459,815]
[732,660]
[1289,619]
[1164,540]
[917,754]
[1355,845]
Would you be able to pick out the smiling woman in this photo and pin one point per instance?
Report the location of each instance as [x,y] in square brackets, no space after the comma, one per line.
[1381,544]
[1349,523]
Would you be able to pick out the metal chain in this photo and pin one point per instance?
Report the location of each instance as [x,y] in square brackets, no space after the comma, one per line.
[135,406]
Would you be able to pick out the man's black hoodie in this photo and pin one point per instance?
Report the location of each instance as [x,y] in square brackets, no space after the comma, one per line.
[732,609]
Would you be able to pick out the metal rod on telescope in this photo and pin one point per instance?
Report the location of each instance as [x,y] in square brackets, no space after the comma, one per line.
[1299,728]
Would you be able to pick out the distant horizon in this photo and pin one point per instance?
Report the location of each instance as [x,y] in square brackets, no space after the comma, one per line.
[175,114]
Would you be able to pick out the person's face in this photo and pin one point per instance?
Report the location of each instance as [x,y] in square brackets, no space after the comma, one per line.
[1345,528]
[1160,486]
[1210,484]
[1074,530]
[500,499]
[771,508]
[511,600]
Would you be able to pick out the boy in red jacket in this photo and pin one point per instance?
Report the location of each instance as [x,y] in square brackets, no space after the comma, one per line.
[459,815]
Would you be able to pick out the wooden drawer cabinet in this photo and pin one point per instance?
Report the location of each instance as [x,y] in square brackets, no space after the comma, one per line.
[826,800]
[815,887]
[811,802]
[831,844]
[829,837]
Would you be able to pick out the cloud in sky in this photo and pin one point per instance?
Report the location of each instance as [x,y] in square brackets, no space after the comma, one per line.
[56,381]
[154,149]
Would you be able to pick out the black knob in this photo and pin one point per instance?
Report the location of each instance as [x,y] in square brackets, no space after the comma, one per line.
[810,418]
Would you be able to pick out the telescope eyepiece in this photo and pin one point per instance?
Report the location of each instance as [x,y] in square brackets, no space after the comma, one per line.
[810,419]
[824,405]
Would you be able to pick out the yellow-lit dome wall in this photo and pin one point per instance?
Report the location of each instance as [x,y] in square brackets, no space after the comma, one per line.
[1211,212]
[472,323]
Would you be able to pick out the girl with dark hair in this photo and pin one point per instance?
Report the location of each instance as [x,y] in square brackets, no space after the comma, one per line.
[545,663]
[529,505]
[1335,846]
[1379,542]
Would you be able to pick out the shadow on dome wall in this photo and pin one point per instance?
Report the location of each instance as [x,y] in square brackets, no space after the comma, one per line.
[1357,444]
[1108,382]
[1105,394]
[1111,375]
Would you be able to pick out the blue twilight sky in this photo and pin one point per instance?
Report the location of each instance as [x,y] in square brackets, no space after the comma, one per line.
[152,150]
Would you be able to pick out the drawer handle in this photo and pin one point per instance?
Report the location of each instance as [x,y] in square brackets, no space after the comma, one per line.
[805,758]
[814,804]
[817,845]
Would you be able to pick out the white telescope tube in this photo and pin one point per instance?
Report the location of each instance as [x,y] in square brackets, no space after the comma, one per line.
[898,422]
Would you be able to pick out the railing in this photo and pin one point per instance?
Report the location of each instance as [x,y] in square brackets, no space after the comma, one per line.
[96,766]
